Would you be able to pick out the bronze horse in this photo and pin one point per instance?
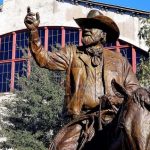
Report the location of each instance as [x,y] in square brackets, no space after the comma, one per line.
[133,119]
[129,130]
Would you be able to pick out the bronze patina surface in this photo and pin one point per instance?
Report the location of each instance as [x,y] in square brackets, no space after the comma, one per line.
[90,99]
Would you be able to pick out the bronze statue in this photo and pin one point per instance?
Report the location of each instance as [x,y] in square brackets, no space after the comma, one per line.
[89,98]
[133,120]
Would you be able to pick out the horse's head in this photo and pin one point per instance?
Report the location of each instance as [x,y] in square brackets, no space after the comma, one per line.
[140,95]
[119,90]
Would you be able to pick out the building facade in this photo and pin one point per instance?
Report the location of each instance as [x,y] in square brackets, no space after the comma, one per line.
[57,28]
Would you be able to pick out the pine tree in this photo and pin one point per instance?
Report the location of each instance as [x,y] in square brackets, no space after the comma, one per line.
[33,115]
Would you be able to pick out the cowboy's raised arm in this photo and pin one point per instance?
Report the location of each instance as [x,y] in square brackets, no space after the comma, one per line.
[51,60]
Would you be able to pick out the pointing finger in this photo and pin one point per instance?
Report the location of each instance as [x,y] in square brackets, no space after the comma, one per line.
[37,16]
[28,10]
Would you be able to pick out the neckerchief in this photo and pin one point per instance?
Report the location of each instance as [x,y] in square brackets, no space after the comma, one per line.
[96,55]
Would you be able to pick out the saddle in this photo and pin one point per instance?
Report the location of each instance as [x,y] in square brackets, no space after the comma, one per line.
[87,121]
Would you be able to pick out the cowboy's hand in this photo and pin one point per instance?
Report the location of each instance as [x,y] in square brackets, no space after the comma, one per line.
[142,96]
[30,21]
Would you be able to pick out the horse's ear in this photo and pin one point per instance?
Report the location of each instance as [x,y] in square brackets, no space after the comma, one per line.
[118,89]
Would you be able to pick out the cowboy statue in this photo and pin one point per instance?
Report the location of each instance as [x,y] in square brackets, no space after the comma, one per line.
[89,99]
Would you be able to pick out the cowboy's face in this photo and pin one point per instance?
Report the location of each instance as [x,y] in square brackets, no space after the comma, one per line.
[93,36]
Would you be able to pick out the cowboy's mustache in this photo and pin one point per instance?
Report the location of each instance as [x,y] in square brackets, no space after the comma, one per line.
[87,32]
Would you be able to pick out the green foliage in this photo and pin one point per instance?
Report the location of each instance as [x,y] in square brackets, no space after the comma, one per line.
[33,115]
[144,32]
[143,73]
[22,140]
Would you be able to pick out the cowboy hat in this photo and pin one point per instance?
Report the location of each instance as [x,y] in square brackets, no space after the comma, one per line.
[95,19]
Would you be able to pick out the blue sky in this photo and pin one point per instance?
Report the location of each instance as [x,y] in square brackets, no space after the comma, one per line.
[136,4]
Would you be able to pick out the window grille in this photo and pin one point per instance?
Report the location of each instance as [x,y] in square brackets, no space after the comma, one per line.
[21,44]
[42,35]
[6,47]
[5,77]
[72,36]
[54,38]
[20,71]
[127,52]
[21,64]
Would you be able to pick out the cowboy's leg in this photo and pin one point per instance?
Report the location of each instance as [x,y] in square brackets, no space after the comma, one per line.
[70,139]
